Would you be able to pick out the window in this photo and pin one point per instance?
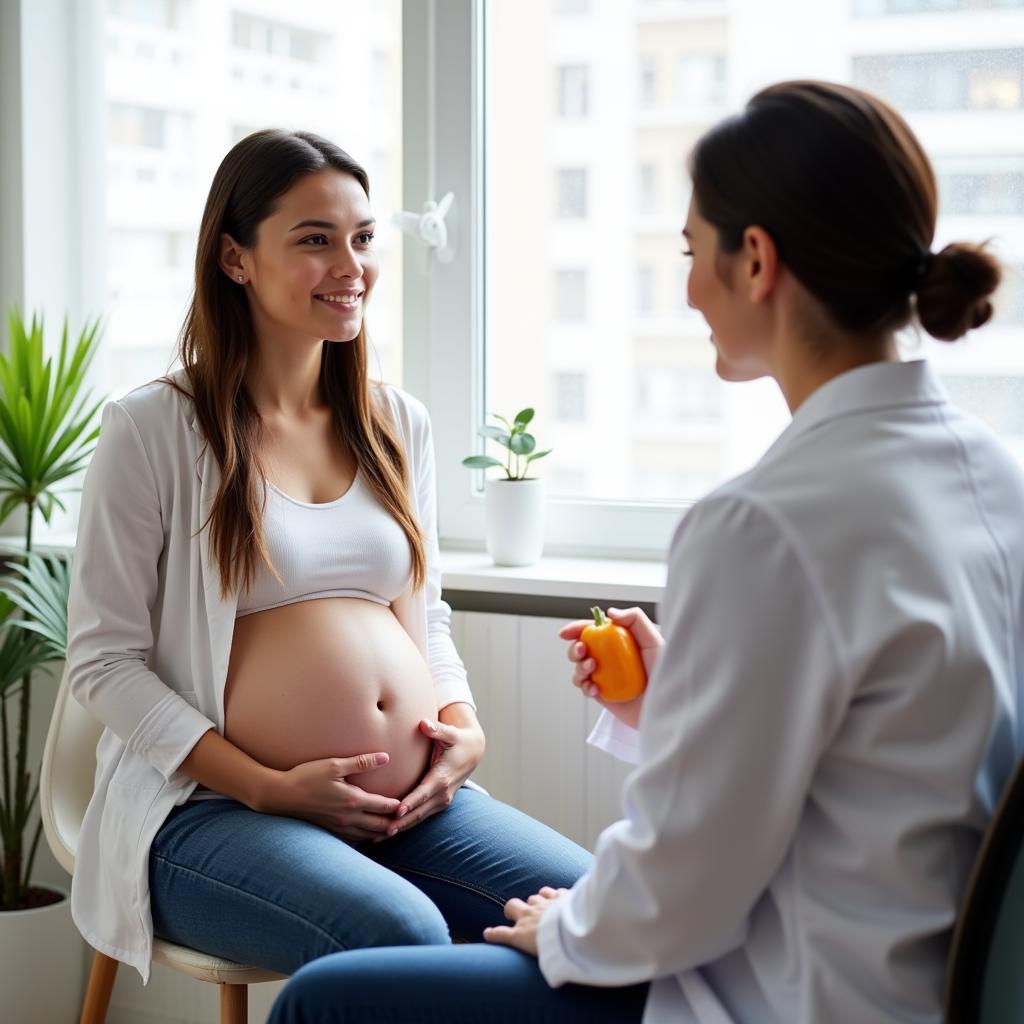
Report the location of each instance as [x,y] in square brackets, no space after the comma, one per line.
[573,88]
[158,13]
[647,199]
[877,7]
[1009,300]
[533,199]
[570,294]
[964,80]
[648,83]
[645,283]
[576,196]
[145,127]
[994,192]
[570,397]
[275,38]
[571,193]
[701,81]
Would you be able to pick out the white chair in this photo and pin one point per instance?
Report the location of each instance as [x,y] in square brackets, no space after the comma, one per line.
[65,786]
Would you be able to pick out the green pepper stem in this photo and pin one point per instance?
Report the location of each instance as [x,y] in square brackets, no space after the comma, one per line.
[600,619]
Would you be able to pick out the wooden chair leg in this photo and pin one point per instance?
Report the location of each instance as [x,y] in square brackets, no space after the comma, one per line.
[234,1004]
[101,984]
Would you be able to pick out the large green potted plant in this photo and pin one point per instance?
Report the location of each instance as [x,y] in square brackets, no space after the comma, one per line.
[48,430]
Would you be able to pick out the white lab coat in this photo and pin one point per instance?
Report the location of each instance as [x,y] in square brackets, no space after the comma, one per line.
[827,729]
[149,638]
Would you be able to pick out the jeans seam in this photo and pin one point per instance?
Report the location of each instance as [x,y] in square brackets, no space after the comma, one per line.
[255,896]
[469,886]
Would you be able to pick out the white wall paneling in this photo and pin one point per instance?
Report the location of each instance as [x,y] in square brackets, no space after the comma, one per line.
[537,723]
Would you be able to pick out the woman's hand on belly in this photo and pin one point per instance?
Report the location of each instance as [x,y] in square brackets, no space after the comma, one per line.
[317,791]
[458,747]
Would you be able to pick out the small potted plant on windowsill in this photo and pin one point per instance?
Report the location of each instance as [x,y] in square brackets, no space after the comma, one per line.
[515,502]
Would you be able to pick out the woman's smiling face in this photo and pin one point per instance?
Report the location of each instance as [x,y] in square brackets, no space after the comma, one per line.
[312,268]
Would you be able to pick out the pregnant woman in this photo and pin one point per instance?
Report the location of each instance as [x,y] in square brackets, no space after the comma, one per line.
[255,616]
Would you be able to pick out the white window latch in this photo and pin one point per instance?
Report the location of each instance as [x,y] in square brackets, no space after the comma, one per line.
[429,226]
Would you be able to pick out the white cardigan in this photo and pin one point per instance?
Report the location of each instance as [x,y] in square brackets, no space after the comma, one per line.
[149,638]
[830,722]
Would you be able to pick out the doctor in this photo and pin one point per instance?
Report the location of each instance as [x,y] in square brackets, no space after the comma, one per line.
[832,704]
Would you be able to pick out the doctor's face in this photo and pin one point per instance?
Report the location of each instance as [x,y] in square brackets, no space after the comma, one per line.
[739,355]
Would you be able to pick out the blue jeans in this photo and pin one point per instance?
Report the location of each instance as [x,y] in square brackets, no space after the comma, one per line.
[277,892]
[475,984]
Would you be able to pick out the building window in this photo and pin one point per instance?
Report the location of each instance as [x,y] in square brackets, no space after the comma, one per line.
[571,193]
[869,8]
[570,292]
[677,395]
[573,86]
[1009,300]
[145,127]
[991,193]
[647,188]
[275,38]
[967,80]
[648,83]
[158,13]
[570,397]
[700,81]
[645,283]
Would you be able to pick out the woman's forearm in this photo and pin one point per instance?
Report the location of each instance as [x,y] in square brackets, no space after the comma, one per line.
[219,765]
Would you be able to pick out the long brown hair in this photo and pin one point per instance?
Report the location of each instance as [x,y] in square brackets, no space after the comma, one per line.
[842,185]
[216,340]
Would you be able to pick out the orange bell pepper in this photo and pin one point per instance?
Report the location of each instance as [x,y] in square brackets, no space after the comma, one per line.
[620,674]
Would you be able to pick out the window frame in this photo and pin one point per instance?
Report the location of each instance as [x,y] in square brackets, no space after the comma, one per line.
[445,108]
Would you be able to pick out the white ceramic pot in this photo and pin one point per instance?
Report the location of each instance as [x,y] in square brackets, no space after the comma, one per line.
[42,964]
[514,521]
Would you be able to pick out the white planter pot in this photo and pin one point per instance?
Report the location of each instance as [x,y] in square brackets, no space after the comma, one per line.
[514,521]
[42,964]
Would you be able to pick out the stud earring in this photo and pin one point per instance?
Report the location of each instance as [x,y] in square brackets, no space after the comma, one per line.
[241,278]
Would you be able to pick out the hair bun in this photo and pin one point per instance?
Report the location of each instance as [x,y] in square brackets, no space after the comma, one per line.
[954,294]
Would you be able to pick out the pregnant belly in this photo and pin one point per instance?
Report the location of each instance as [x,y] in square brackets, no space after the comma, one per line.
[332,677]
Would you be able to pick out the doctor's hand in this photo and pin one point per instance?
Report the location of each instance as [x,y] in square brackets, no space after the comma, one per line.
[458,747]
[522,934]
[647,638]
[317,791]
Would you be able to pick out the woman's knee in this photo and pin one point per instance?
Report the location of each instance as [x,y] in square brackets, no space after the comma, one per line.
[405,918]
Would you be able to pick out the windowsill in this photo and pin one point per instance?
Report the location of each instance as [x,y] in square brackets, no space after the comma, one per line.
[597,579]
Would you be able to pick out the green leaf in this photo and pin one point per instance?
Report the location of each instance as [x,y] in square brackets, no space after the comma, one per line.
[480,462]
[523,444]
[524,416]
[495,434]
[539,455]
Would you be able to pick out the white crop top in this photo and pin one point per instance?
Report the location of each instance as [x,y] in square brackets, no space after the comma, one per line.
[349,547]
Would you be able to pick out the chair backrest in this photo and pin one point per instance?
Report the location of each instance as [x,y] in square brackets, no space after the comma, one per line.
[68,772]
[985,980]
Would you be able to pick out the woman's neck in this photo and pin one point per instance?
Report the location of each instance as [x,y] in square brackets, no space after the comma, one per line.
[804,365]
[284,379]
